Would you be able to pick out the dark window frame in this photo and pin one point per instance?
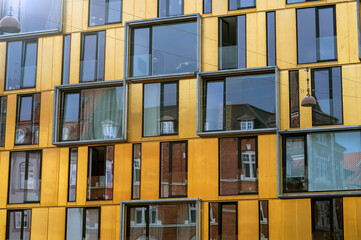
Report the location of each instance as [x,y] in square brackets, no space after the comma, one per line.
[167,9]
[84,220]
[170,165]
[22,222]
[106,10]
[63,60]
[23,56]
[69,174]
[317,8]
[240,163]
[220,206]
[26,175]
[140,171]
[161,110]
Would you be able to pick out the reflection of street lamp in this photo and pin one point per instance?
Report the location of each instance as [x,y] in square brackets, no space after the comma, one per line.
[167,124]
[110,129]
[308,100]
[10,24]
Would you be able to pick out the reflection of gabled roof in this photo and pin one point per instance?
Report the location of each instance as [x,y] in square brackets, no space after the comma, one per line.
[249,112]
[351,160]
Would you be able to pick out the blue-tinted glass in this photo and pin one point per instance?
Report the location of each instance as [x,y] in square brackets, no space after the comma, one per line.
[66,59]
[228,43]
[306,35]
[238,4]
[25,109]
[326,41]
[214,106]
[140,61]
[101,56]
[241,30]
[29,68]
[337,93]
[299,1]
[162,8]
[271,39]
[89,61]
[105,11]
[232,4]
[13,65]
[114,11]
[170,7]
[207,6]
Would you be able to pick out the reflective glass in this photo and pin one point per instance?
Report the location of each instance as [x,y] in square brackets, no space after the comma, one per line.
[271,39]
[263,220]
[238,4]
[223,221]
[70,118]
[105,12]
[3,107]
[137,157]
[91,223]
[214,106]
[306,35]
[73,166]
[228,44]
[74,224]
[140,52]
[170,7]
[29,68]
[294,99]
[66,59]
[18,224]
[207,6]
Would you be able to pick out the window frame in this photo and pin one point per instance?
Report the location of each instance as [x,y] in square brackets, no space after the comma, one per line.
[133,171]
[22,224]
[106,14]
[161,109]
[220,207]
[129,25]
[24,43]
[167,8]
[58,101]
[84,220]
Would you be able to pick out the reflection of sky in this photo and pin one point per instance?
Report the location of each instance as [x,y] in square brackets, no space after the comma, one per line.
[258,91]
[350,140]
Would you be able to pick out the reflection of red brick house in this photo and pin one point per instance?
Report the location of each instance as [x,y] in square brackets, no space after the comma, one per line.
[352,168]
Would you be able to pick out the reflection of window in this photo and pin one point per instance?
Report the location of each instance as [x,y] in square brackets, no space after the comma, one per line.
[91,114]
[137,154]
[316,34]
[327,218]
[34,15]
[170,7]
[73,165]
[104,12]
[238,166]
[310,164]
[92,57]
[327,89]
[239,4]
[223,220]
[232,42]
[163,49]
[24,182]
[160,109]
[174,172]
[263,220]
[18,224]
[100,173]
[21,62]
[83,223]
[239,103]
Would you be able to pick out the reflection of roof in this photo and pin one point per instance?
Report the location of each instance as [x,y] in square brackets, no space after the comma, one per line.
[351,160]
[249,112]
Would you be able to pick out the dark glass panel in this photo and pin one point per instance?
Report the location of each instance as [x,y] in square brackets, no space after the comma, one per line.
[162,8]
[66,59]
[238,4]
[137,148]
[29,68]
[295,164]
[228,43]
[271,39]
[140,58]
[136,223]
[294,99]
[170,7]
[13,65]
[214,105]
[306,35]
[23,133]
[230,169]
[326,34]
[263,220]
[97,10]
[207,6]
[70,117]
[114,11]
[33,177]
[73,168]
[214,221]
[3,120]
[36,118]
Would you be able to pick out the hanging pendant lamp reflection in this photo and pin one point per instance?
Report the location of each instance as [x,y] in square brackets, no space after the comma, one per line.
[10,24]
[308,100]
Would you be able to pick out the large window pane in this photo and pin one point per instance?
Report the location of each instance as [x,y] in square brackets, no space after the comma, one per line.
[83,224]
[25,175]
[137,158]
[18,224]
[170,7]
[100,173]
[223,221]
[104,12]
[327,90]
[34,15]
[326,40]
[214,105]
[73,168]
[141,56]
[294,99]
[174,169]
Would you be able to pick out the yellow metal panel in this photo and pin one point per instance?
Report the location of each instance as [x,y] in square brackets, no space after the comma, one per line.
[284,100]
[85,15]
[190,6]
[261,40]
[108,223]
[74,58]
[2,224]
[56,228]
[276,228]
[77,16]
[117,221]
[82,176]
[50,118]
[39,223]
[150,170]
[110,55]
[10,120]
[4,177]
[39,64]
[2,65]
[256,39]
[122,172]
[352,217]
[50,177]
[128,10]
[219,7]
[57,61]
[151,9]
[210,43]
[139,9]
[351,94]
[352,31]
[196,169]
[119,53]
[63,176]
[304,224]
[209,149]
[187,108]
[47,63]
[204,220]
[286,38]
[248,220]
[289,219]
[342,33]
[46,102]
[135,106]
[68,7]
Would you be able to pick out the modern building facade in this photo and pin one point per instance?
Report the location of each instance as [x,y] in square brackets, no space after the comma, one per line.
[180,119]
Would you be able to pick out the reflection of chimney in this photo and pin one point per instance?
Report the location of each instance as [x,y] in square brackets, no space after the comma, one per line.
[248,147]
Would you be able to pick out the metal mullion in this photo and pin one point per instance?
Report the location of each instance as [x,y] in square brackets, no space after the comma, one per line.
[147,221]
[220,209]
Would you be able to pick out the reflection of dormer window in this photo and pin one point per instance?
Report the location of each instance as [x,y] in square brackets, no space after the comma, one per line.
[246,125]
[249,165]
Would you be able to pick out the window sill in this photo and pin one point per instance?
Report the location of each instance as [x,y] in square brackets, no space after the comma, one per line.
[320,194]
[87,142]
[236,132]
[327,128]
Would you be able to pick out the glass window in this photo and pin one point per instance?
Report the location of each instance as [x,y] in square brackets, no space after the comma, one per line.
[25,177]
[92,57]
[91,114]
[170,7]
[239,103]
[137,158]
[66,59]
[207,6]
[238,166]
[27,119]
[174,169]
[327,161]
[239,4]
[327,90]
[294,99]
[103,12]
[83,223]
[21,63]
[161,221]
[232,42]
[3,107]
[164,49]
[100,173]
[263,220]
[316,34]
[160,109]
[34,15]
[223,220]
[327,218]
[18,224]
[73,166]
[271,39]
